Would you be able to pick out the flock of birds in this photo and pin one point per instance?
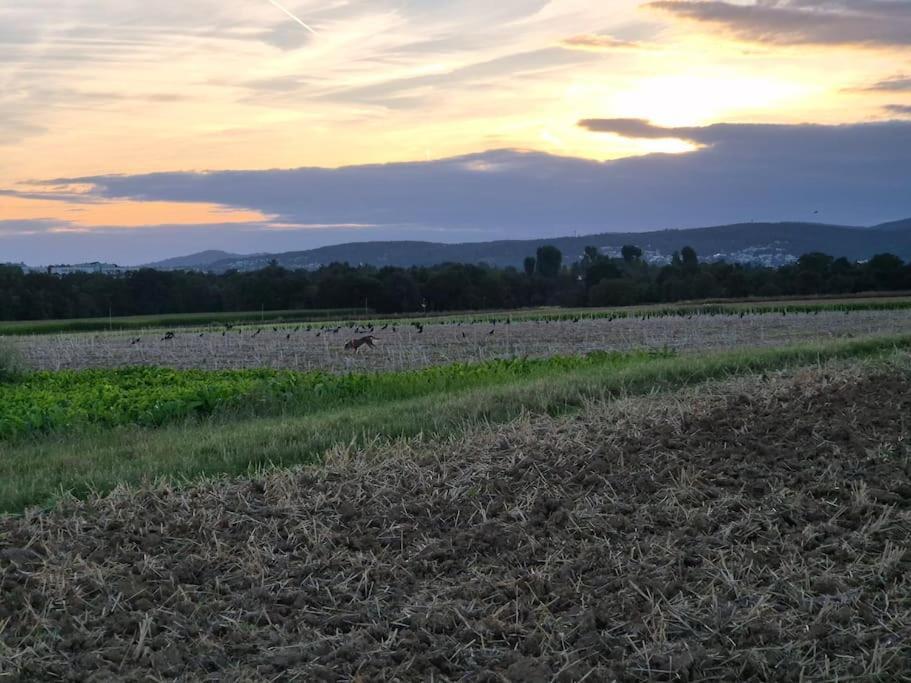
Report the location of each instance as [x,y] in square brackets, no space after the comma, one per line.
[359,329]
[371,329]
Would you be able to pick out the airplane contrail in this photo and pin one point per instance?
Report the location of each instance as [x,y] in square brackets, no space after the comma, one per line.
[292,15]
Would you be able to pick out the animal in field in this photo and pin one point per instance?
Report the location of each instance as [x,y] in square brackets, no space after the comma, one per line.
[356,344]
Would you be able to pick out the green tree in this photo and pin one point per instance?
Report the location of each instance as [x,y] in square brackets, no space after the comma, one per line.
[689,259]
[631,253]
[549,261]
[529,265]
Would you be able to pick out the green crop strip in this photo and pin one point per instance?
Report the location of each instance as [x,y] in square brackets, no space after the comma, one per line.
[54,402]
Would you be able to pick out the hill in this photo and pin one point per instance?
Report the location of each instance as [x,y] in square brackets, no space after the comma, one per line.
[193,261]
[895,226]
[765,243]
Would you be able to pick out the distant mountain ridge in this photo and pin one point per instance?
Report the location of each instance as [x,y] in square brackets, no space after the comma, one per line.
[894,226]
[194,261]
[764,243]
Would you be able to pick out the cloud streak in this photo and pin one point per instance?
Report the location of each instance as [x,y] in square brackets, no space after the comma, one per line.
[292,16]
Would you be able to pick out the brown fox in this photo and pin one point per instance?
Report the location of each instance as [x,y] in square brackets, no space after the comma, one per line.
[356,344]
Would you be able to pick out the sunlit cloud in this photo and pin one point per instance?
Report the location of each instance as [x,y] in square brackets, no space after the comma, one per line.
[292,84]
[598,43]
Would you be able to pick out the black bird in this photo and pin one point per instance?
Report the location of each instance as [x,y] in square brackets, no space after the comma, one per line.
[318,334]
[491,332]
[288,336]
[384,327]
[257,332]
[168,336]
[464,336]
[135,341]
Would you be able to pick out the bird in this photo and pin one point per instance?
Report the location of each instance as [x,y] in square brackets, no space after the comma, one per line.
[491,332]
[168,336]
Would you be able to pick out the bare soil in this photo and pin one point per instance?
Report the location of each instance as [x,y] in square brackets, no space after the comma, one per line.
[401,346]
[755,530]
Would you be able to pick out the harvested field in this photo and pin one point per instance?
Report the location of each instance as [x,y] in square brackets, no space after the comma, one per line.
[402,347]
[697,536]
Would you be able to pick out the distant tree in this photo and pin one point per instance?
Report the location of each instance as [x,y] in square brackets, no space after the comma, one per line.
[886,270]
[529,265]
[590,256]
[815,262]
[689,258]
[615,292]
[602,269]
[631,253]
[549,261]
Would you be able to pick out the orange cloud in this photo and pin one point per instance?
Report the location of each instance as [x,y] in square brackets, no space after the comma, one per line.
[122,214]
[598,43]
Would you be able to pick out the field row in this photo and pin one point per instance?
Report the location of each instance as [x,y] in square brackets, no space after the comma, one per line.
[402,346]
[873,301]
[749,530]
[65,401]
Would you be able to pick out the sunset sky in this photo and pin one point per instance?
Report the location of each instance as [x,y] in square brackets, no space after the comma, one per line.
[134,130]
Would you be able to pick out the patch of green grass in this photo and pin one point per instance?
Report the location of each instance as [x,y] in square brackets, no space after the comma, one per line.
[11,366]
[65,401]
[40,471]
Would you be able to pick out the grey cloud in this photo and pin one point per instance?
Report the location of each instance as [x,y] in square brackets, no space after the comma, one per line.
[637,128]
[895,84]
[855,174]
[823,22]
[900,109]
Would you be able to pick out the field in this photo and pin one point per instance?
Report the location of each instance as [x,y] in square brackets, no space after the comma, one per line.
[708,493]
[694,536]
[402,345]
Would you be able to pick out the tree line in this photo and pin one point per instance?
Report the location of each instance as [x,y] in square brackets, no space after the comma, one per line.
[545,279]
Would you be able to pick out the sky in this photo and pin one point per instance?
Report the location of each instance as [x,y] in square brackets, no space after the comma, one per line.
[132,131]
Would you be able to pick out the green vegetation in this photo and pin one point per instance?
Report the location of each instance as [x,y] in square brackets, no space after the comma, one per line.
[11,367]
[38,471]
[137,322]
[45,402]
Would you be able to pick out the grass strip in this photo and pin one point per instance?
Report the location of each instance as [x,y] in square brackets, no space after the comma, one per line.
[40,472]
[138,322]
[67,401]
[328,318]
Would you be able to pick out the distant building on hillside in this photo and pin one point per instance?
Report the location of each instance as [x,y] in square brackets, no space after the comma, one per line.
[94,267]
